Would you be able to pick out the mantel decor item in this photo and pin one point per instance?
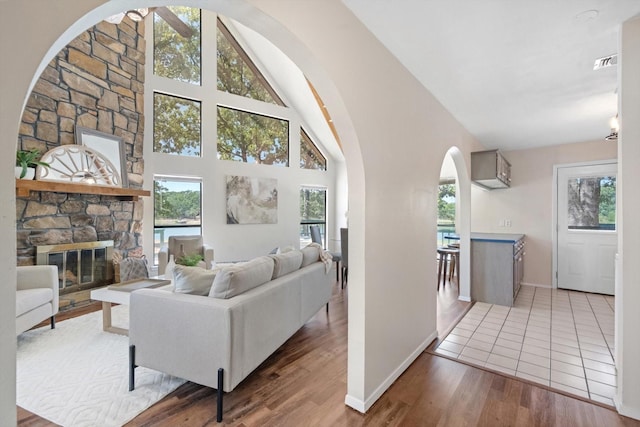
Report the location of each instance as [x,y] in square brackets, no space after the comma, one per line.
[109,146]
[77,164]
[26,162]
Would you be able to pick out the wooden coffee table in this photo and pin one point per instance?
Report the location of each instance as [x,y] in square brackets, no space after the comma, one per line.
[120,293]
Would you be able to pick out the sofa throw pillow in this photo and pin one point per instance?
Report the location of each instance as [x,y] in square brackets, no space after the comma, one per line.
[133,268]
[192,280]
[310,254]
[286,263]
[239,278]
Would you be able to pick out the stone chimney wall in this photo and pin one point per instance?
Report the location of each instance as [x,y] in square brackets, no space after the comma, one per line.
[97,81]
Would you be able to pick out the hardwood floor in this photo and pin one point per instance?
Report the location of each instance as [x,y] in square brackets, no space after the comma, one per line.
[304,384]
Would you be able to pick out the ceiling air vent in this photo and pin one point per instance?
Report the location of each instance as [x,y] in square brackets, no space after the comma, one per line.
[607,61]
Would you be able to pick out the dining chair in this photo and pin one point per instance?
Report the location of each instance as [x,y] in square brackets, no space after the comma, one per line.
[344,246]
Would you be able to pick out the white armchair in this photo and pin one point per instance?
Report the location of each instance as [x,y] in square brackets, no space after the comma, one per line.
[36,296]
[190,244]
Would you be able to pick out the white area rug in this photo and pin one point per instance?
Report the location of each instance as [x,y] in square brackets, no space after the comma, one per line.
[77,374]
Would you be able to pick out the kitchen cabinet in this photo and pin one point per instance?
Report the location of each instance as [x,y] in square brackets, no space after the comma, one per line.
[490,170]
[497,267]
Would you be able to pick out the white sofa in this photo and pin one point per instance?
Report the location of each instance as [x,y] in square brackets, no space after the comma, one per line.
[219,339]
[36,295]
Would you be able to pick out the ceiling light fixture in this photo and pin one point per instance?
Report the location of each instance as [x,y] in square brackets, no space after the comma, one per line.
[136,15]
[615,127]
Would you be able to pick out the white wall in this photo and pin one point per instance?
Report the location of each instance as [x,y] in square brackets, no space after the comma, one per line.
[528,203]
[628,285]
[391,288]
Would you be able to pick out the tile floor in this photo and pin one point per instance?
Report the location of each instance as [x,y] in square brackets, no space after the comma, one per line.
[558,338]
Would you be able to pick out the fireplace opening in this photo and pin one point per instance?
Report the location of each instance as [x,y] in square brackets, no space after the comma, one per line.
[81,266]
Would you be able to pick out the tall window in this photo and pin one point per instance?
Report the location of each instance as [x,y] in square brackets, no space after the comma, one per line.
[313,211]
[252,138]
[177,209]
[176,125]
[174,56]
[310,156]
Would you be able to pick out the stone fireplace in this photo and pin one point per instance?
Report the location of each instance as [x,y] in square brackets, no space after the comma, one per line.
[97,81]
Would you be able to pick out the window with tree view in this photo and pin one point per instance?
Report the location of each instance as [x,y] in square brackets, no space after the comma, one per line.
[174,56]
[446,210]
[592,203]
[310,156]
[176,125]
[252,138]
[313,211]
[237,74]
[177,207]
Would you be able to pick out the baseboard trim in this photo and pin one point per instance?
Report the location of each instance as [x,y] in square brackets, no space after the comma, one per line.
[626,410]
[363,406]
[463,298]
[354,403]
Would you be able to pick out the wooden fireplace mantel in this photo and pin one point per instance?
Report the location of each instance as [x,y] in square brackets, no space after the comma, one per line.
[25,186]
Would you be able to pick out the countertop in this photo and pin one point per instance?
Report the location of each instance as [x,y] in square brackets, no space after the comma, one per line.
[496,237]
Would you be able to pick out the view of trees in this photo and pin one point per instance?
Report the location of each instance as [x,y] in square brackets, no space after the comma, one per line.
[313,204]
[174,206]
[243,136]
[252,138]
[176,125]
[174,56]
[447,203]
[592,203]
[236,73]
[310,156]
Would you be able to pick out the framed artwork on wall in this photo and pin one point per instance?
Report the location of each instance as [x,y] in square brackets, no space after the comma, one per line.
[109,146]
[252,200]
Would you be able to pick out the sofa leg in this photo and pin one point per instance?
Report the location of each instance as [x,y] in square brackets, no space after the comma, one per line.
[327,307]
[132,366]
[219,395]
[53,322]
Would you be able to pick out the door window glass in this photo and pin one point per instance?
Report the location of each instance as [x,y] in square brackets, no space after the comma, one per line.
[591,203]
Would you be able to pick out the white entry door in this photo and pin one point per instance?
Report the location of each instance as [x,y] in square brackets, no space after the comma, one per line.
[587,236]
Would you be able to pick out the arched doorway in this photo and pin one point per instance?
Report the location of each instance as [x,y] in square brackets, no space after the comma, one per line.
[454,222]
